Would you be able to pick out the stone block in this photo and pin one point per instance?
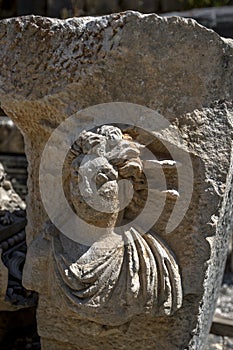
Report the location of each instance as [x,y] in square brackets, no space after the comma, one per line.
[128,128]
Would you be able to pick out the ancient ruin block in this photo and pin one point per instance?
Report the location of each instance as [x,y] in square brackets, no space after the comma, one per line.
[127,121]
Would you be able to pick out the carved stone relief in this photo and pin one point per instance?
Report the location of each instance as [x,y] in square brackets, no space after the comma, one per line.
[94,70]
[124,275]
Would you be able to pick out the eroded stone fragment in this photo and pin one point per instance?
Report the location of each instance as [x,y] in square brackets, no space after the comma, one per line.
[145,159]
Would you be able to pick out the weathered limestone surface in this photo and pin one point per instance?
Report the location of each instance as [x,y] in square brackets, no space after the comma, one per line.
[52,69]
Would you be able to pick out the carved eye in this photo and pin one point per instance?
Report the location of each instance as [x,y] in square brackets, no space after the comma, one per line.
[101,179]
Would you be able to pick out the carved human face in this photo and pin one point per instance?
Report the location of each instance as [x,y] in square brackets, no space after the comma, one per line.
[102,157]
[94,188]
[93,173]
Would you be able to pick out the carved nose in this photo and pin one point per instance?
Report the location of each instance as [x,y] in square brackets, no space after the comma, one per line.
[86,190]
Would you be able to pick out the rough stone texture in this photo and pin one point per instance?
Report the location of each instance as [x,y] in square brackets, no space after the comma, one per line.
[50,70]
